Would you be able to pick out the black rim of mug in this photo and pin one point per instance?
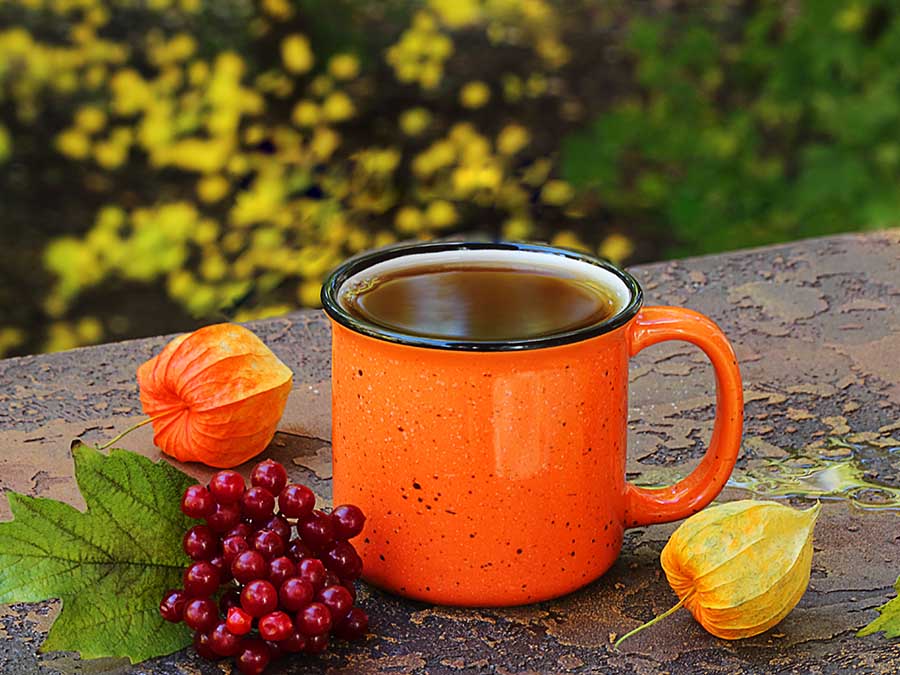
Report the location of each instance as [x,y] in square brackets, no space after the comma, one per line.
[332,286]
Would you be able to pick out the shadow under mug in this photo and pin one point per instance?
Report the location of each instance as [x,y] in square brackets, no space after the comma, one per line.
[493,473]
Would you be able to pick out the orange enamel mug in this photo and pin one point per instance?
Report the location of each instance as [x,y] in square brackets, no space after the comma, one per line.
[493,473]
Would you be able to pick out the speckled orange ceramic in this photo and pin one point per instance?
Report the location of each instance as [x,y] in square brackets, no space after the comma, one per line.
[494,473]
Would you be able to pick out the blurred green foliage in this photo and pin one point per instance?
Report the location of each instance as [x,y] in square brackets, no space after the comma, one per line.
[166,163]
[752,126]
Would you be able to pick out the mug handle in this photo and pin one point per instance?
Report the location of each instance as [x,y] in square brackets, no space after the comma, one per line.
[646,506]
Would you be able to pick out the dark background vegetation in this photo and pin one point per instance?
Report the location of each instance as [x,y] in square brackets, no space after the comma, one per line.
[637,130]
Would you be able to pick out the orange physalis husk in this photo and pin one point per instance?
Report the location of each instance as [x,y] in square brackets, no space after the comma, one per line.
[215,395]
[739,567]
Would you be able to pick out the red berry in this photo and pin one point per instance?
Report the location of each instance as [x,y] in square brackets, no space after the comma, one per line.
[314,619]
[269,544]
[342,559]
[248,566]
[172,605]
[197,502]
[201,614]
[316,530]
[224,517]
[238,621]
[297,551]
[233,546]
[280,570]
[275,626]
[199,543]
[240,530]
[294,643]
[258,504]
[230,598]
[296,501]
[258,598]
[270,475]
[348,521]
[202,646]
[227,486]
[354,625]
[337,599]
[313,571]
[279,526]
[201,579]
[223,642]
[254,657]
[316,644]
[295,594]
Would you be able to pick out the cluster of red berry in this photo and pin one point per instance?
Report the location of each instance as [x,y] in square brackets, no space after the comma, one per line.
[283,595]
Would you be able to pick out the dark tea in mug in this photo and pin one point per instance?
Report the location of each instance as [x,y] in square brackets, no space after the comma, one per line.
[506,298]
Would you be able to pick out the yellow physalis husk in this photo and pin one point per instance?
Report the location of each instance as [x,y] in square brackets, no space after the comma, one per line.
[739,567]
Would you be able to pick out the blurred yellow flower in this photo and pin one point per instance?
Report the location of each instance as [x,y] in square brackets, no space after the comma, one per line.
[110,155]
[213,267]
[90,119]
[616,247]
[278,9]
[73,144]
[182,46]
[343,66]
[517,229]
[414,121]
[439,47]
[440,214]
[557,193]
[851,17]
[5,144]
[512,138]
[95,76]
[130,92]
[234,241]
[423,22]
[378,161]
[554,52]
[536,85]
[89,329]
[110,218]
[296,54]
[198,73]
[456,13]
[309,293]
[337,107]
[64,335]
[207,231]
[203,156]
[384,238]
[408,220]
[305,114]
[568,239]
[10,338]
[430,75]
[264,312]
[324,142]
[474,94]
[212,188]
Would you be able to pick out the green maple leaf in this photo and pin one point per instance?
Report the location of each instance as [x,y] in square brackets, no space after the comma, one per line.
[110,565]
[889,621]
